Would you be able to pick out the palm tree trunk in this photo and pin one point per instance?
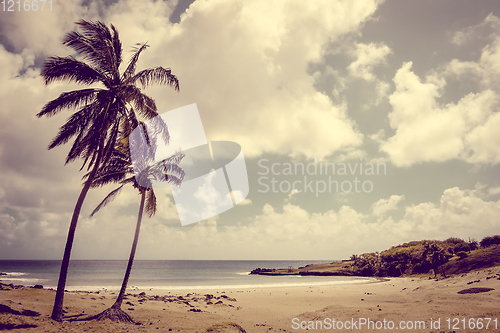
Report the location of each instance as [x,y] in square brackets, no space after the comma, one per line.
[119,300]
[57,310]
[57,313]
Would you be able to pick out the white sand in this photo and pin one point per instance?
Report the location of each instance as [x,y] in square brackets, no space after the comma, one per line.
[409,300]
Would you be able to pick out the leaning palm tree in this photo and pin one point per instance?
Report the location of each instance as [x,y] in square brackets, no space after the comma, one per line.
[133,163]
[101,108]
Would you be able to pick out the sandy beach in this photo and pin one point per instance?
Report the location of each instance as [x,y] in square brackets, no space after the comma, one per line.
[421,305]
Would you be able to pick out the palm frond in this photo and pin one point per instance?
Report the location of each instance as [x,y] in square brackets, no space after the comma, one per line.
[130,71]
[175,158]
[110,197]
[99,39]
[172,173]
[69,100]
[130,122]
[168,170]
[77,149]
[83,46]
[94,30]
[142,149]
[76,124]
[100,47]
[110,145]
[116,170]
[112,135]
[150,202]
[144,105]
[87,142]
[112,175]
[117,46]
[172,179]
[157,75]
[68,68]
[89,145]
[158,126]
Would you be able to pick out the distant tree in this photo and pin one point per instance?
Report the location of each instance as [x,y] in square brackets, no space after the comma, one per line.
[437,257]
[400,260]
[367,264]
[473,244]
[485,242]
[461,247]
[354,258]
[453,240]
[490,240]
[453,245]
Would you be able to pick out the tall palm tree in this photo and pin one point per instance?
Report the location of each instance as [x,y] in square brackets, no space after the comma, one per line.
[138,171]
[101,108]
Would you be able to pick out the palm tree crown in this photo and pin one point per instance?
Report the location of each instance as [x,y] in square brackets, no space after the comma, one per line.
[142,170]
[99,108]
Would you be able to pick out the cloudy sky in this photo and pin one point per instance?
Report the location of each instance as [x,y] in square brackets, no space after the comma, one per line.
[410,87]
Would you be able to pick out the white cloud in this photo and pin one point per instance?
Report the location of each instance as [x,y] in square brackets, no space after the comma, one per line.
[483,30]
[427,131]
[245,202]
[252,86]
[381,207]
[42,31]
[251,82]
[284,233]
[292,193]
[462,213]
[494,190]
[292,232]
[367,57]
[485,71]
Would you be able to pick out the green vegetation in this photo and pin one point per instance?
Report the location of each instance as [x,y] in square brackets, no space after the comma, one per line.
[416,258]
[481,258]
[451,256]
[490,240]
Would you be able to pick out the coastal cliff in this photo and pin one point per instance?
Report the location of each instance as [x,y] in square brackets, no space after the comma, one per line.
[340,268]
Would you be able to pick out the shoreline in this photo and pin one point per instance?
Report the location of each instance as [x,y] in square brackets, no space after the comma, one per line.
[291,281]
[178,288]
[270,309]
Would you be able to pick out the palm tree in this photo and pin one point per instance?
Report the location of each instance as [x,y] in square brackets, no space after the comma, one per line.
[436,257]
[100,109]
[138,171]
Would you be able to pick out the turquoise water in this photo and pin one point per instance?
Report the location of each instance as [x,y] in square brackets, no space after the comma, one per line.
[161,274]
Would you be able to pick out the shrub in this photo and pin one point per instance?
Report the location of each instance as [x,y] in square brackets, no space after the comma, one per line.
[489,241]
[473,245]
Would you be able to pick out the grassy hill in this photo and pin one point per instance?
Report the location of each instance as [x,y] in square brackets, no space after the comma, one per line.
[477,259]
[422,258]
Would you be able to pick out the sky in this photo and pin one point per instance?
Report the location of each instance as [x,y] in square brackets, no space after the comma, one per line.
[395,102]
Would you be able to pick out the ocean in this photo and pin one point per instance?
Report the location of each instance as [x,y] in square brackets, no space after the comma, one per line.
[162,275]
